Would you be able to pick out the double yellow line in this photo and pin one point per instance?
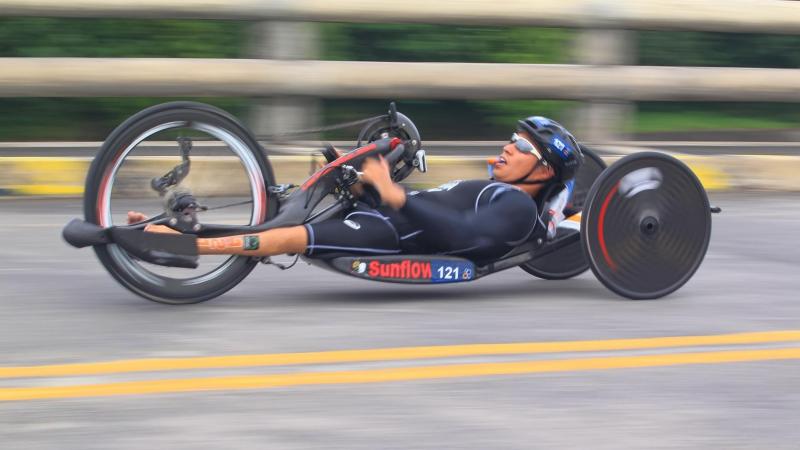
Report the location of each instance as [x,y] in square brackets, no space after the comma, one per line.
[398,373]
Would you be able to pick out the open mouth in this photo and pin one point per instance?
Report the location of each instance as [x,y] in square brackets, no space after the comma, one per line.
[500,161]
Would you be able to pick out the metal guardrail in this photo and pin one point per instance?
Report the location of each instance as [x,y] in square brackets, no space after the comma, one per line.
[602,81]
[52,77]
[773,16]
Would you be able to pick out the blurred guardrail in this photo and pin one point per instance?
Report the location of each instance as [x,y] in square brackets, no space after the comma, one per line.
[103,77]
[604,82]
[603,78]
[775,16]
[51,77]
[59,168]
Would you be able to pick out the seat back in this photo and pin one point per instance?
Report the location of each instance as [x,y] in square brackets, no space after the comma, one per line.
[552,202]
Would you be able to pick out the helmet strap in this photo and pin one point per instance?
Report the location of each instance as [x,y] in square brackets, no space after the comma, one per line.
[524,179]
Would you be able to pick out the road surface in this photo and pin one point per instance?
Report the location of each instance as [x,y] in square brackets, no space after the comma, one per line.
[618,389]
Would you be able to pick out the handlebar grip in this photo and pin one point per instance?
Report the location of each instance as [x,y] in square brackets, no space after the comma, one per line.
[394,156]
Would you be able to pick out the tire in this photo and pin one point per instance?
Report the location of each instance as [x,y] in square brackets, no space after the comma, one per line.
[570,261]
[100,182]
[646,226]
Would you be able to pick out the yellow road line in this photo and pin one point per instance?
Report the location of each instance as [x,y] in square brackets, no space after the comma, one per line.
[46,189]
[392,374]
[711,177]
[390,354]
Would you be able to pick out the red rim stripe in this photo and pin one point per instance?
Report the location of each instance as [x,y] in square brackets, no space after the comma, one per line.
[601,227]
[101,210]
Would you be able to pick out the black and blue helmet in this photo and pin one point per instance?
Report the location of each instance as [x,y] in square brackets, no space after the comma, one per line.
[558,147]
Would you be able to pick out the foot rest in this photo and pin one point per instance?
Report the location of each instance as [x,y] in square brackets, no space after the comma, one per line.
[173,250]
[79,233]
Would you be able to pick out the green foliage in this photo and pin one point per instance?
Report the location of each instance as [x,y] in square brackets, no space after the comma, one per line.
[91,119]
[662,48]
[108,38]
[81,119]
[401,42]
[654,117]
[94,118]
[447,119]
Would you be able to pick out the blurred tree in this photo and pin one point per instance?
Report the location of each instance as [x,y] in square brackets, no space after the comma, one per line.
[662,48]
[90,119]
[94,118]
[448,119]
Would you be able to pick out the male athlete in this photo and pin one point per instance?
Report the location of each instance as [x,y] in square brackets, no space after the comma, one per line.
[479,220]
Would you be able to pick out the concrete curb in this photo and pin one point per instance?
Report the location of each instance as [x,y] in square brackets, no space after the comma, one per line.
[64,176]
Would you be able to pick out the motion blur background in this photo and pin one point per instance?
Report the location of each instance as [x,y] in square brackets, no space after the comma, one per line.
[62,317]
[91,119]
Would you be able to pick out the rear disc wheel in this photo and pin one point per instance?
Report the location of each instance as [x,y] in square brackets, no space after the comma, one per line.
[646,225]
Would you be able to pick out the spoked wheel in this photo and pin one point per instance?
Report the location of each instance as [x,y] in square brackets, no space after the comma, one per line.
[229,173]
[570,261]
[646,225]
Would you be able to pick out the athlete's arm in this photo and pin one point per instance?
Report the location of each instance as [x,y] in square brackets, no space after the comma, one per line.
[507,220]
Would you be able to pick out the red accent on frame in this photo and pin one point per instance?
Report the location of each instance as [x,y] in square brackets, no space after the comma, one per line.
[600,228]
[354,154]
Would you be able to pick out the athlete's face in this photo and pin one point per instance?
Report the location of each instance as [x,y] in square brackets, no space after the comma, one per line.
[513,164]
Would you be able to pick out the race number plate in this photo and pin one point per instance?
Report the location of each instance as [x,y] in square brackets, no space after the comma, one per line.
[451,271]
[408,269]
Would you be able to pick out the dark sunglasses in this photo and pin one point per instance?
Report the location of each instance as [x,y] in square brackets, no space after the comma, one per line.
[525,146]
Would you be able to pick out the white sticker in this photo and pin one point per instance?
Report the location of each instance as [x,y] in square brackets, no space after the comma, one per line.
[353,225]
[446,187]
[644,179]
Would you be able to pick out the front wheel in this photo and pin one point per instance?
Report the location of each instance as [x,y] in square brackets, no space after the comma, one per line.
[228,167]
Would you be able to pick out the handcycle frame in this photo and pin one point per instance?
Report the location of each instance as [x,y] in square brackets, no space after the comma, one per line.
[299,207]
[624,211]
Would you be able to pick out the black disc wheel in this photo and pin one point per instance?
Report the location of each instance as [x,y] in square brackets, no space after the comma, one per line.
[570,261]
[229,173]
[646,225]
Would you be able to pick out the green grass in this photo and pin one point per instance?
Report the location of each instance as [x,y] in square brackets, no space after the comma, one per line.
[651,121]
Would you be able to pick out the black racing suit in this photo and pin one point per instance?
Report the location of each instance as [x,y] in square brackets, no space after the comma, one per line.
[477,219]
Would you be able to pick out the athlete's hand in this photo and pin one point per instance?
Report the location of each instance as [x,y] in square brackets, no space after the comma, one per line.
[136,216]
[376,172]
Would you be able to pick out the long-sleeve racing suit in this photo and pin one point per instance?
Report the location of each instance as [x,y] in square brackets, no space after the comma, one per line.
[477,219]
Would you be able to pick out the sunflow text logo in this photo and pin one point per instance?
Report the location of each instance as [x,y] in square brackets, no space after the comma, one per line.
[406,269]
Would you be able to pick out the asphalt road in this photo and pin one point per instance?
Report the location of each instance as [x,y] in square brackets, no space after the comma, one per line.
[59,306]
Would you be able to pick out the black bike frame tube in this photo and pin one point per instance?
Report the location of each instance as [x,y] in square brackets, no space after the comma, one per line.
[522,256]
